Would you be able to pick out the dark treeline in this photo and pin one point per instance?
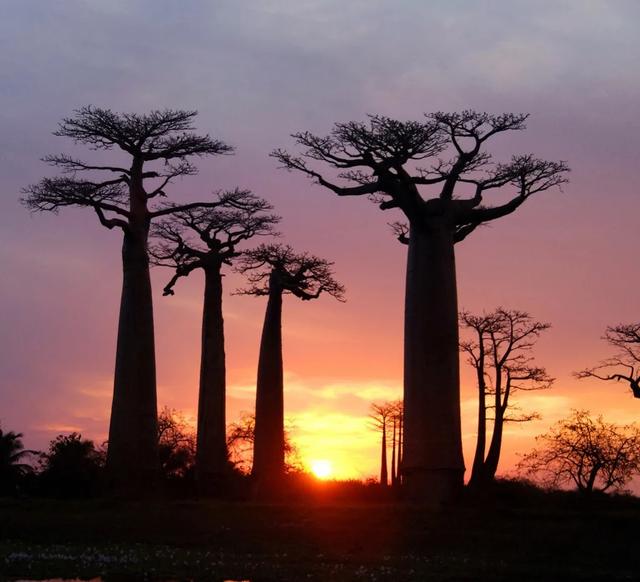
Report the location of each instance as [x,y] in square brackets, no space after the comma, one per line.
[437,172]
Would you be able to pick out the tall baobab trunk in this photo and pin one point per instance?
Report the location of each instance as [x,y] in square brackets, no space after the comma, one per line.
[211,451]
[132,457]
[432,463]
[384,478]
[394,474]
[268,452]
[477,472]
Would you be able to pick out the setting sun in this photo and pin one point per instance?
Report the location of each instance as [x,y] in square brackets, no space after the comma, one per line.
[321,469]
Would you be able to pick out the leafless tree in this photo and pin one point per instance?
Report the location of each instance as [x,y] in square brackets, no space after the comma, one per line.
[589,453]
[396,164]
[625,364]
[158,147]
[500,352]
[275,270]
[207,239]
[241,438]
[176,444]
[380,417]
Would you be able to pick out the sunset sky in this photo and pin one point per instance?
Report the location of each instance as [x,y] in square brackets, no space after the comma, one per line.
[258,70]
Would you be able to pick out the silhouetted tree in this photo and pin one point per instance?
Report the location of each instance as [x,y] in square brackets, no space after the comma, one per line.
[164,139]
[500,352]
[589,453]
[396,443]
[207,239]
[72,467]
[625,364]
[386,160]
[275,270]
[176,444]
[381,416]
[241,438]
[13,467]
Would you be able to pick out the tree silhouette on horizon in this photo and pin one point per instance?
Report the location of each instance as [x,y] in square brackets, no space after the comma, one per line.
[127,201]
[207,239]
[500,353]
[394,162]
[273,271]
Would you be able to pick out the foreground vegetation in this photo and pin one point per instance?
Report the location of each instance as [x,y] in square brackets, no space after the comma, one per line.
[515,532]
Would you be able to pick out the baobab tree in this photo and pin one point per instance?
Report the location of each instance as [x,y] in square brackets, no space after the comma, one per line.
[396,443]
[625,364]
[207,239]
[275,270]
[380,417]
[500,353]
[397,163]
[158,147]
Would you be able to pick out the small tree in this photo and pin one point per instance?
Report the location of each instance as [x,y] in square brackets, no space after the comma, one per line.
[206,239]
[72,467]
[157,147]
[589,453]
[500,352]
[276,270]
[176,444]
[13,467]
[396,163]
[625,364]
[241,436]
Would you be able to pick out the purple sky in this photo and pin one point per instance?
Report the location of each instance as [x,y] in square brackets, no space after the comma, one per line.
[259,70]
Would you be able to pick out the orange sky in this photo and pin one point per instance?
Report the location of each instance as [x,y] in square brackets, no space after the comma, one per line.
[258,74]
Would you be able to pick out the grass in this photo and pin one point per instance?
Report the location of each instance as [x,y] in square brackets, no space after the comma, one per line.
[513,533]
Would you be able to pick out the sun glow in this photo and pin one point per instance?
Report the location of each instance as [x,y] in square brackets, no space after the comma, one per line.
[321,469]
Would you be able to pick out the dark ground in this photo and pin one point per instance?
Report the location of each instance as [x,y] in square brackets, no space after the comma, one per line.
[514,534]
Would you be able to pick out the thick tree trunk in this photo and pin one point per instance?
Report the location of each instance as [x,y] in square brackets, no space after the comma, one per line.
[211,452]
[481,442]
[432,462]
[132,458]
[268,452]
[384,478]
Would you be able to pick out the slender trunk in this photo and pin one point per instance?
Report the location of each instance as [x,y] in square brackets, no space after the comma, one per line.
[399,459]
[495,448]
[433,466]
[393,456]
[481,442]
[132,458]
[268,453]
[211,452]
[384,479]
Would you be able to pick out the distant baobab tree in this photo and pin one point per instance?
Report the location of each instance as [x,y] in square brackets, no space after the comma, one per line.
[500,353]
[274,270]
[625,364]
[207,239]
[391,161]
[380,417]
[124,201]
[386,418]
[396,443]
